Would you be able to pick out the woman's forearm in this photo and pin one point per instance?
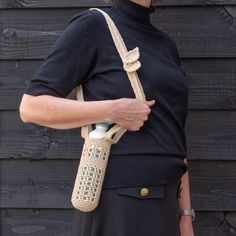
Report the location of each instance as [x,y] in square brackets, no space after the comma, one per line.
[184,200]
[63,113]
[186,224]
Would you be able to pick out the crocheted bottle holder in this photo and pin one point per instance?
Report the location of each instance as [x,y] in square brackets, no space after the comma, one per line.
[95,152]
[91,173]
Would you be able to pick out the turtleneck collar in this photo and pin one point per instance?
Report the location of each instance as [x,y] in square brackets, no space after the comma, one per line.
[134,11]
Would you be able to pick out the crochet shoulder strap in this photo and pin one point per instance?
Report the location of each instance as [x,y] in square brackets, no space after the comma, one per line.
[130,65]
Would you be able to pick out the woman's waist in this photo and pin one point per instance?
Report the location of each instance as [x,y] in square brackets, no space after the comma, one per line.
[140,170]
[142,150]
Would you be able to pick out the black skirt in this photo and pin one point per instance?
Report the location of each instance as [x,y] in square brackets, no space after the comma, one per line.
[138,210]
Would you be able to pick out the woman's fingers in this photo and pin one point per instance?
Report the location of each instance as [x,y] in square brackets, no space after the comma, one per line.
[150,103]
[132,113]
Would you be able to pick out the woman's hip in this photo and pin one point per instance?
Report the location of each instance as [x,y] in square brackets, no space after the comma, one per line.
[135,210]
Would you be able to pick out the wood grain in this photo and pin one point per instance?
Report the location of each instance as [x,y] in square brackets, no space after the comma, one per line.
[36,222]
[92,3]
[211,135]
[30,34]
[212,82]
[51,222]
[30,141]
[38,164]
[49,183]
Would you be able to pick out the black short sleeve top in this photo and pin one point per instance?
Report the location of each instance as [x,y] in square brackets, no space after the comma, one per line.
[85,54]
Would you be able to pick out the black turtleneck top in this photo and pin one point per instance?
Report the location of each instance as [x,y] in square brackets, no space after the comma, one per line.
[85,54]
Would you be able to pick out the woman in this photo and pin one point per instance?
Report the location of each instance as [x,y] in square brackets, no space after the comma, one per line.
[146,182]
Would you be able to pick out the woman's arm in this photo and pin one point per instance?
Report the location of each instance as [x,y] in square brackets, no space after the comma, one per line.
[186,226]
[63,113]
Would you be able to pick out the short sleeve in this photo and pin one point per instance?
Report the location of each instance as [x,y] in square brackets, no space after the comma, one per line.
[70,61]
[176,52]
[178,59]
[174,48]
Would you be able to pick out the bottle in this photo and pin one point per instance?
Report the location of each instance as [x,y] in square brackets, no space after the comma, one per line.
[100,130]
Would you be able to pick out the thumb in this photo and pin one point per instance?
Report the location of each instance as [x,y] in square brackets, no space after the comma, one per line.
[150,103]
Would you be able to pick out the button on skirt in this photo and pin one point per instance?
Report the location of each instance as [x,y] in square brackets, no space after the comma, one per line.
[150,210]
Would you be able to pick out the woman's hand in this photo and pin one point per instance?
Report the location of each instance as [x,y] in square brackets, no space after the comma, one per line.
[130,113]
[186,226]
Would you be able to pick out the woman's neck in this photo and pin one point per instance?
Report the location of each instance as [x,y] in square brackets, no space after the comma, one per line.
[145,3]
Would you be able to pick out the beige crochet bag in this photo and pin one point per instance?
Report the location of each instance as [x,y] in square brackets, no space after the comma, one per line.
[95,152]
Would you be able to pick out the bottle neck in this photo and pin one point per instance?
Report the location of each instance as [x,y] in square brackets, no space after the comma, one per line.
[102,126]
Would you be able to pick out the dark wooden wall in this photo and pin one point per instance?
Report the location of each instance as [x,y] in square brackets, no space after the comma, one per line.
[38,164]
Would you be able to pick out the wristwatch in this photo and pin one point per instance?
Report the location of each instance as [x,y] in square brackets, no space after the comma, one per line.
[187,212]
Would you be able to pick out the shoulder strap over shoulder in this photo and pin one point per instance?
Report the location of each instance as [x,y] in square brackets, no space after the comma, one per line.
[130,64]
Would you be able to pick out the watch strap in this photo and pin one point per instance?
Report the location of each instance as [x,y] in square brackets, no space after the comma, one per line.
[187,212]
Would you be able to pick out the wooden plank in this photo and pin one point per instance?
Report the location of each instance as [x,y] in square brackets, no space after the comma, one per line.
[213,185]
[210,136]
[49,183]
[213,223]
[193,36]
[37,184]
[50,222]
[14,76]
[19,140]
[92,3]
[212,82]
[36,222]
[31,31]
[27,34]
